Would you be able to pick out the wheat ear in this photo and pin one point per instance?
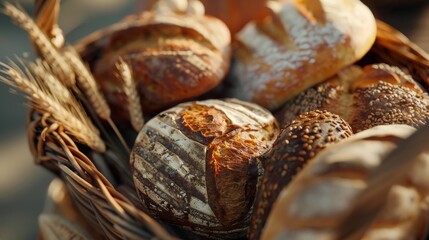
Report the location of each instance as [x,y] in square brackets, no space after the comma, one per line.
[88,84]
[40,68]
[46,15]
[60,68]
[71,116]
[134,106]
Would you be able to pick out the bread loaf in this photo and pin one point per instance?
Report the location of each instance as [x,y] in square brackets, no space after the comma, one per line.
[194,165]
[313,205]
[297,143]
[375,95]
[174,57]
[302,43]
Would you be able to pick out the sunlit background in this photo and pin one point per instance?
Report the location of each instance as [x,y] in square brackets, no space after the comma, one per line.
[23,184]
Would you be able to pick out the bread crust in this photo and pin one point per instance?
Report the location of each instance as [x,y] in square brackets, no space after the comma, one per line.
[174,57]
[313,205]
[378,94]
[301,44]
[194,165]
[297,144]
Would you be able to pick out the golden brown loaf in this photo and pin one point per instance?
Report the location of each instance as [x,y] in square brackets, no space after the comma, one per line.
[297,143]
[173,57]
[375,95]
[194,165]
[302,43]
[315,202]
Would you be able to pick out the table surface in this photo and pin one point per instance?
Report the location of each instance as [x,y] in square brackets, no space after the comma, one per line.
[22,184]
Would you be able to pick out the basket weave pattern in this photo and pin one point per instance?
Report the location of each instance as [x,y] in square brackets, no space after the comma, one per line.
[106,209]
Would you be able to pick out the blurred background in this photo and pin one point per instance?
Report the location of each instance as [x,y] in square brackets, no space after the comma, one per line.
[23,184]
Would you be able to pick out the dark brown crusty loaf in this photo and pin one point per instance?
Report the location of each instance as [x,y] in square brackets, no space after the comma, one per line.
[375,95]
[297,143]
[174,57]
[318,199]
[194,165]
[302,43]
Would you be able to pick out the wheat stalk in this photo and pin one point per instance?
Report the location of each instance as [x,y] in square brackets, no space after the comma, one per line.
[60,68]
[88,84]
[71,116]
[40,68]
[134,107]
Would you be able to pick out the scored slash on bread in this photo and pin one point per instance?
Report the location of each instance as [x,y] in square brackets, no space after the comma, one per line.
[194,165]
[375,95]
[299,45]
[174,57]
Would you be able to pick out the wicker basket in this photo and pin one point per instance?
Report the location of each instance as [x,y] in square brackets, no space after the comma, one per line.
[113,210]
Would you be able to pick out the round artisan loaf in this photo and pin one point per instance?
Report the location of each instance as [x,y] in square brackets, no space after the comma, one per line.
[194,165]
[302,43]
[174,57]
[314,204]
[297,143]
[375,95]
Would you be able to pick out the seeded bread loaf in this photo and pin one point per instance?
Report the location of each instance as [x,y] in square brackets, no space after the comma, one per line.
[375,95]
[297,144]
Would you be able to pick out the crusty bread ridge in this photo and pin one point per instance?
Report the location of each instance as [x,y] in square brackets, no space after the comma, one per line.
[194,165]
